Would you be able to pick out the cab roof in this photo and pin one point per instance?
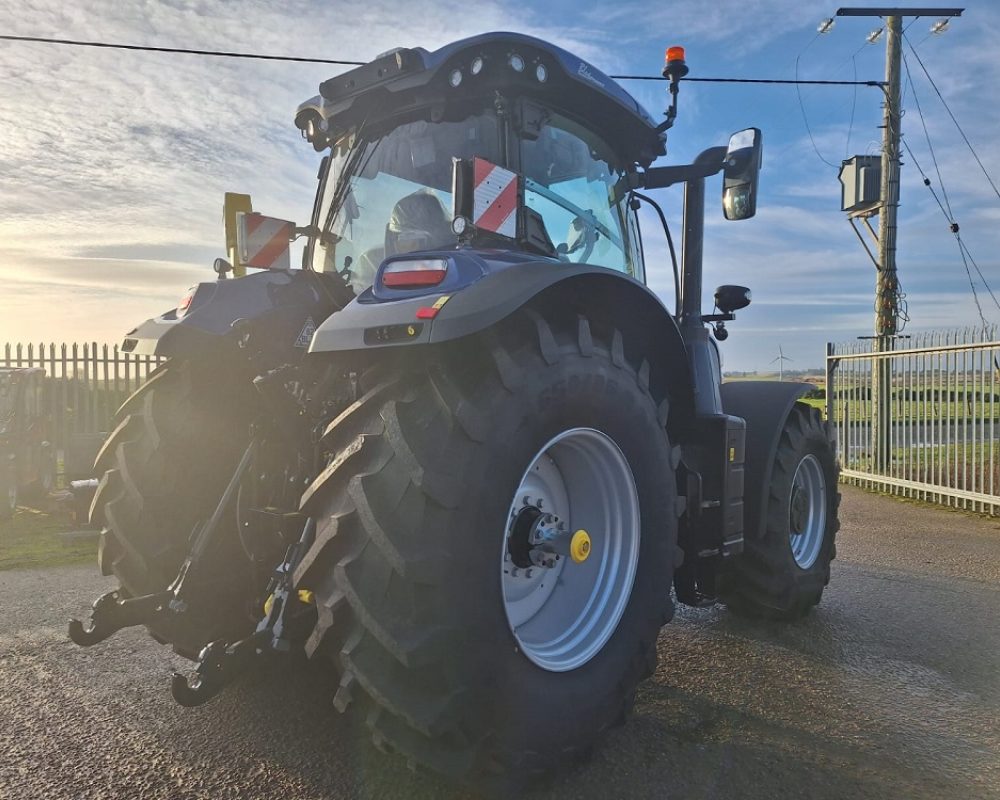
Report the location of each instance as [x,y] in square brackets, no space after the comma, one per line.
[406,79]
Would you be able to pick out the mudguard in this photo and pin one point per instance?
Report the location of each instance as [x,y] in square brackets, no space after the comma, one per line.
[281,308]
[634,309]
[765,405]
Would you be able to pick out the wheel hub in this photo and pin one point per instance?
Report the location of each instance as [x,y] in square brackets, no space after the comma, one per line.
[799,510]
[519,543]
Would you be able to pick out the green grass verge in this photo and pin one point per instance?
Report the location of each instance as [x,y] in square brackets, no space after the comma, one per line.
[31,539]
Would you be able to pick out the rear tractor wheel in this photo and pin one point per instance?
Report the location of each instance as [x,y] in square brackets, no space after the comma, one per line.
[164,469]
[495,539]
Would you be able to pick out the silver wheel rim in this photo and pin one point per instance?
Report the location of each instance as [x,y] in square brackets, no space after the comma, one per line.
[563,615]
[807,511]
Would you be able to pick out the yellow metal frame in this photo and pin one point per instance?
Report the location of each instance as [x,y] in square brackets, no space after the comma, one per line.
[233,205]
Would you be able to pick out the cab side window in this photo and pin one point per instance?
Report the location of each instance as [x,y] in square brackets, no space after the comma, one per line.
[569,180]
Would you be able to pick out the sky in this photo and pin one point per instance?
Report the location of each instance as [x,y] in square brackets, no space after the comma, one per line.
[113,164]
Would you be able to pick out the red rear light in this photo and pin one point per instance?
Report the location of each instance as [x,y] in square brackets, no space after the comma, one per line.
[414,273]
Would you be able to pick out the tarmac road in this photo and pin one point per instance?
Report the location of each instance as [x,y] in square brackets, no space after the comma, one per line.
[891,689]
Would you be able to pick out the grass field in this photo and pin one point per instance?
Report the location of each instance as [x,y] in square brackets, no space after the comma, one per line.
[31,539]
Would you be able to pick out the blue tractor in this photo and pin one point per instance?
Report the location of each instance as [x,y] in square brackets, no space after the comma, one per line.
[464,455]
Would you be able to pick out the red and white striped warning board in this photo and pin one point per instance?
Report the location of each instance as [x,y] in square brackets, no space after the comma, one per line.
[264,242]
[494,198]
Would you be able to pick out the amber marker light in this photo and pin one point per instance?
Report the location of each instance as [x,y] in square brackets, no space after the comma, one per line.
[675,68]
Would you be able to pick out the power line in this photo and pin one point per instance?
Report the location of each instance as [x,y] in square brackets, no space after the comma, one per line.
[749,80]
[854,105]
[950,114]
[855,83]
[946,205]
[975,266]
[181,50]
[927,136]
[805,119]
[299,59]
[975,296]
[963,248]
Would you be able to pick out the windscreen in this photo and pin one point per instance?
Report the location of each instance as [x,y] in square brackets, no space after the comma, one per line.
[391,194]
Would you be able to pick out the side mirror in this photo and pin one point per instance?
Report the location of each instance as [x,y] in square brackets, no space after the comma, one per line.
[739,183]
[263,242]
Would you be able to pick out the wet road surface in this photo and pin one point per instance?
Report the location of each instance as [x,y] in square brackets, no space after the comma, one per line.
[891,689]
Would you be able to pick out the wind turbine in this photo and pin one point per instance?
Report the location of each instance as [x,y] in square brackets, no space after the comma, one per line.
[781,359]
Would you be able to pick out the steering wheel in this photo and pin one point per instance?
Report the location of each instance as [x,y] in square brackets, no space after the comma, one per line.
[583,236]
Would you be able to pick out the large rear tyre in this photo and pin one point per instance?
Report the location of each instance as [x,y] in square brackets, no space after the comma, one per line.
[782,573]
[163,469]
[464,651]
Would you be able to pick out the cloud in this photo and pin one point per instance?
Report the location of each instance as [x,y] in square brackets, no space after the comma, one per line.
[113,164]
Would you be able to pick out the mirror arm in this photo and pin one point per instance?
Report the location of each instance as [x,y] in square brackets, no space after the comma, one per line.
[709,162]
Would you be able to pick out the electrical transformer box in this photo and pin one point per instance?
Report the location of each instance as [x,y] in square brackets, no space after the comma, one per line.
[861,183]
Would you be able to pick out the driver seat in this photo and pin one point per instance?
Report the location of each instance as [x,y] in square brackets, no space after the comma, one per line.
[418,221]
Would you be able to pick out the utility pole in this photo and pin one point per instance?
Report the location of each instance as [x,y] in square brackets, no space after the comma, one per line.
[886,283]
[887,295]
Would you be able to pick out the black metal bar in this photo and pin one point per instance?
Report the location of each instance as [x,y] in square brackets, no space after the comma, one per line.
[692,249]
[750,80]
[205,534]
[905,11]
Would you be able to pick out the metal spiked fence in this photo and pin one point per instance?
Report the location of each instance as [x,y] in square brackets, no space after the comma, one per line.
[84,383]
[935,437]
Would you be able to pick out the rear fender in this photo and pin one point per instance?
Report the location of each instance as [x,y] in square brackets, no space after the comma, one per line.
[765,405]
[281,308]
[606,294]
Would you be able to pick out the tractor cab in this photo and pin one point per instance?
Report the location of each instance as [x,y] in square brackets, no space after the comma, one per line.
[486,449]
[561,135]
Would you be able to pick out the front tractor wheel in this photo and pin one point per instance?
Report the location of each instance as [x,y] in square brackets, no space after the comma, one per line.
[495,539]
[782,572]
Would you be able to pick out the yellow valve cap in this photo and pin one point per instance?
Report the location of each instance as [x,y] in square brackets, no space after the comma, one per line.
[579,546]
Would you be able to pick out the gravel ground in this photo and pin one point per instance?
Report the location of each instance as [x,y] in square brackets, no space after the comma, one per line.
[891,689]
